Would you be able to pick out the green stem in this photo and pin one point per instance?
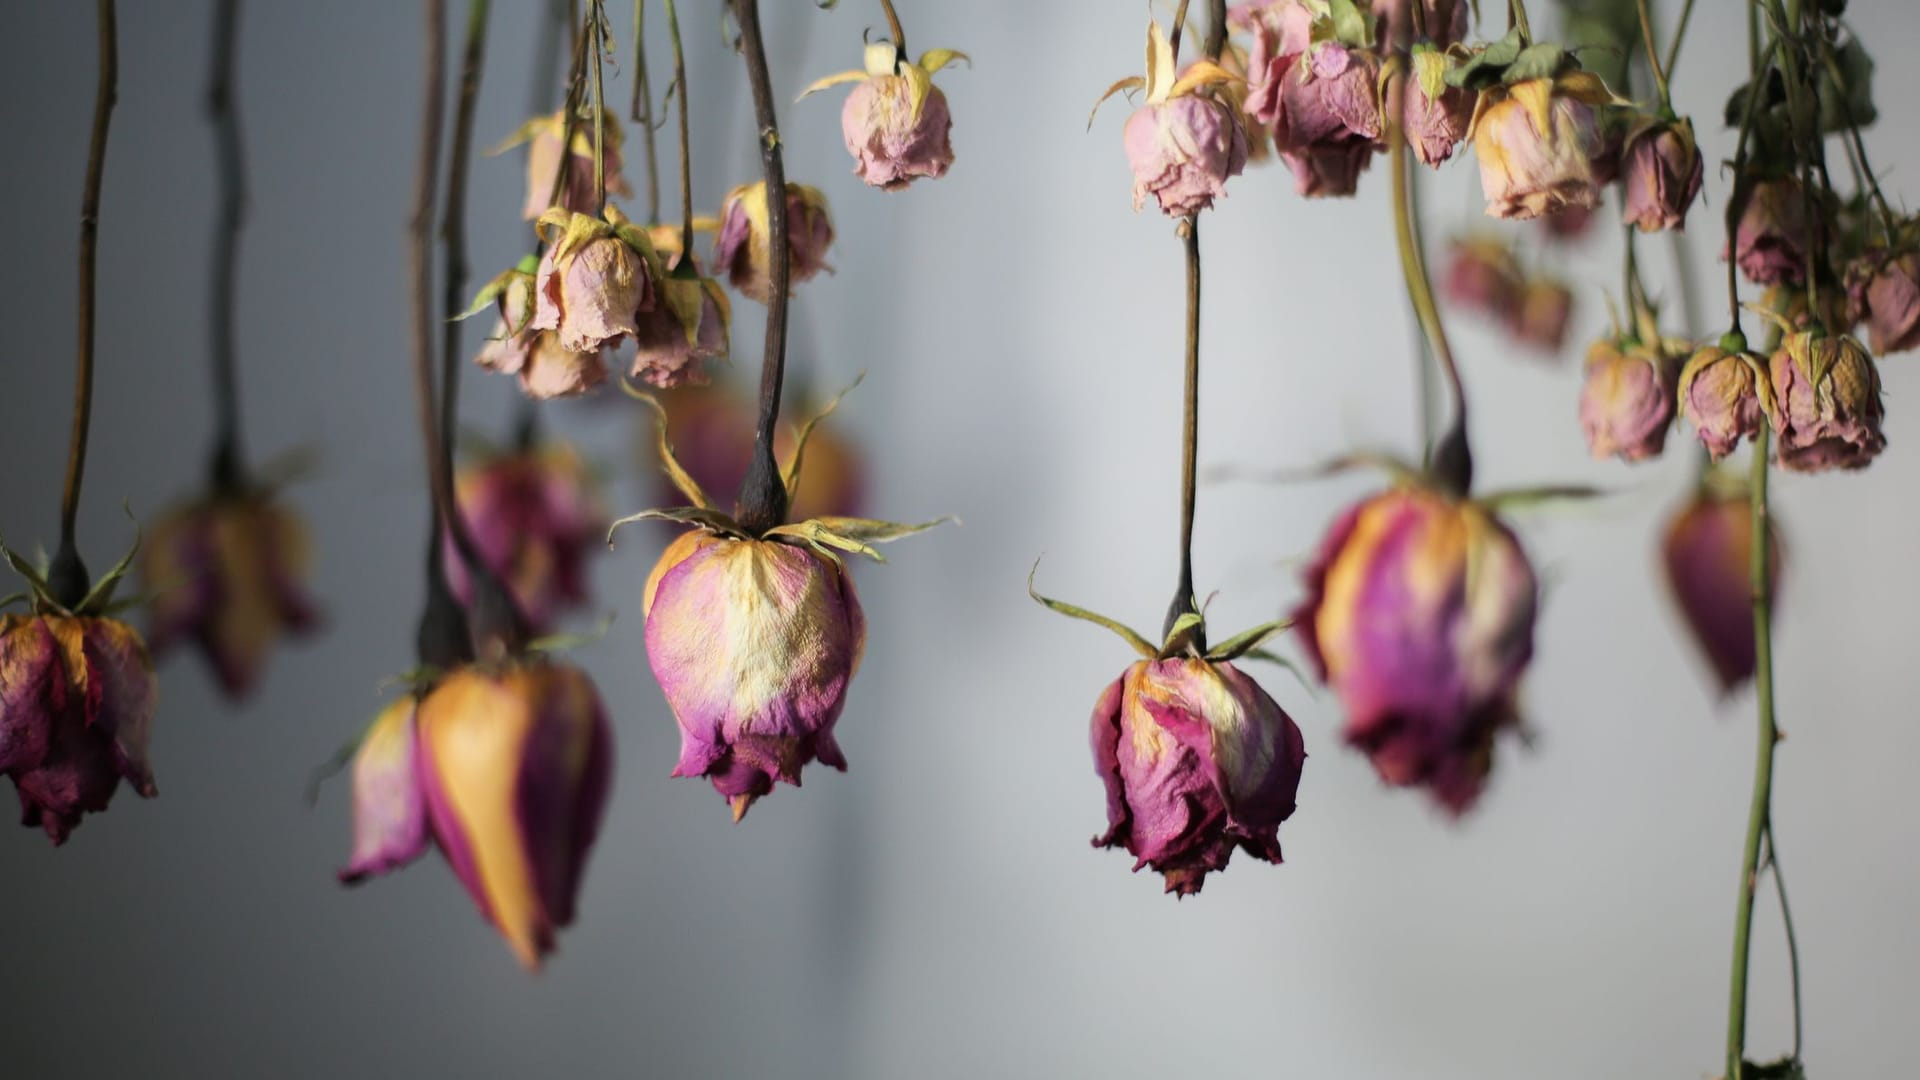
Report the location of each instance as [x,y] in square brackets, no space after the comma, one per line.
[642,110]
[596,13]
[1183,598]
[1452,459]
[1737,197]
[686,143]
[1679,34]
[1786,921]
[1759,814]
[1653,57]
[763,496]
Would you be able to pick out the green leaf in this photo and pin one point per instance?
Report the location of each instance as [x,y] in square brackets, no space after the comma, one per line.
[102,592]
[1186,630]
[1487,67]
[1542,61]
[1243,643]
[806,432]
[1351,25]
[711,520]
[1140,644]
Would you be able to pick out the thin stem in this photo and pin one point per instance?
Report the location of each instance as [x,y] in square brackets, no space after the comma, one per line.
[1179,28]
[1630,283]
[596,13]
[1793,942]
[67,574]
[1857,146]
[1679,34]
[570,109]
[1452,458]
[763,497]
[227,473]
[642,110]
[1737,197]
[900,34]
[686,144]
[1183,598]
[1418,10]
[1759,814]
[1653,56]
[1217,29]
[1424,382]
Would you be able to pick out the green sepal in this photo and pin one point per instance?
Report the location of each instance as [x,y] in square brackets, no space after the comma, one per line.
[824,540]
[15,598]
[1487,67]
[682,479]
[491,292]
[806,432]
[1181,636]
[1351,25]
[1539,61]
[1525,498]
[38,591]
[702,517]
[100,596]
[1292,668]
[1140,644]
[871,531]
[1247,641]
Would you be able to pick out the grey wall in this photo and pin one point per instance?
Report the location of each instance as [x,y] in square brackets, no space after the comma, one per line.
[936,911]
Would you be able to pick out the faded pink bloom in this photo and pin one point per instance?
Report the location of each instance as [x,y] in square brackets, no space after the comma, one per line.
[1197,760]
[1540,320]
[1482,275]
[1827,409]
[1771,240]
[1627,401]
[1182,151]
[686,326]
[591,295]
[546,369]
[1708,556]
[1535,141]
[544,161]
[1434,126]
[535,517]
[1663,172]
[1720,394]
[893,138]
[1885,293]
[744,247]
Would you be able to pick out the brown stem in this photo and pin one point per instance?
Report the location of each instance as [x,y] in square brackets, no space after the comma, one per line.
[686,145]
[899,35]
[1179,28]
[68,575]
[1183,598]
[228,474]
[642,109]
[597,14]
[763,497]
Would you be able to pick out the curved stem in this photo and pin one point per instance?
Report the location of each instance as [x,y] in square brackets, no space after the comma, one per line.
[228,475]
[1452,458]
[894,28]
[596,14]
[686,144]
[642,110]
[68,575]
[1759,814]
[1793,941]
[763,497]
[1653,56]
[1679,34]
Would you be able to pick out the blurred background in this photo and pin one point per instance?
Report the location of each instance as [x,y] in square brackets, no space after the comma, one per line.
[936,911]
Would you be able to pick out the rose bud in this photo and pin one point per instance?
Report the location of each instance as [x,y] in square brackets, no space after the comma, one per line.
[1663,172]
[1437,115]
[1626,403]
[1420,617]
[389,807]
[1885,294]
[1187,137]
[754,643]
[1708,555]
[1770,242]
[1826,393]
[744,246]
[515,765]
[534,515]
[1197,760]
[1535,140]
[895,121]
[542,135]
[594,280]
[76,702]
[546,369]
[686,327]
[1482,275]
[228,573]
[1726,396]
[1546,306]
[711,431]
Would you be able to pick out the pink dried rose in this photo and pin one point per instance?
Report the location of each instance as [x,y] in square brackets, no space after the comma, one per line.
[513,765]
[1536,140]
[1726,396]
[745,248]
[228,573]
[1545,309]
[1419,615]
[535,516]
[686,327]
[1197,760]
[546,369]
[1482,275]
[1437,115]
[1187,138]
[895,121]
[595,278]
[1884,290]
[1827,411]
[543,135]
[76,703]
[1627,400]
[1708,553]
[1662,170]
[1325,117]
[1772,238]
